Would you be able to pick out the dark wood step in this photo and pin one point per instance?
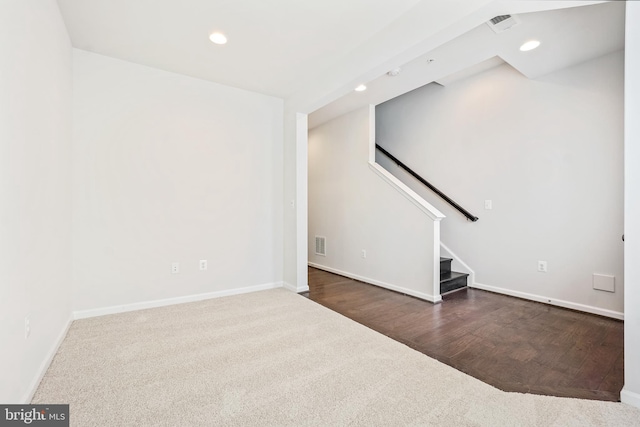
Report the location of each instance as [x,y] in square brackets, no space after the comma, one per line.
[445,265]
[452,281]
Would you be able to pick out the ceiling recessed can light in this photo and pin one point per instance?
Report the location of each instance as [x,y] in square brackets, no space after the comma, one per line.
[218,38]
[530,45]
[361,88]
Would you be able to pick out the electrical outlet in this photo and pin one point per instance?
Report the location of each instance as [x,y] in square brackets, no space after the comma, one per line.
[488,205]
[364,253]
[203,264]
[27,327]
[175,267]
[542,266]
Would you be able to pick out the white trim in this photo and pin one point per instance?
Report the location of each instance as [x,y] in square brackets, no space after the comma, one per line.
[398,185]
[372,134]
[44,366]
[408,193]
[302,197]
[94,312]
[630,398]
[465,266]
[421,295]
[435,277]
[296,289]
[551,301]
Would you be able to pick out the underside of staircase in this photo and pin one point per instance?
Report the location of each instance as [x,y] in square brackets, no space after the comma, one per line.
[451,281]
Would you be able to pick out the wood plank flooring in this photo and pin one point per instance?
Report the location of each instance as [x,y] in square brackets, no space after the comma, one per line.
[512,344]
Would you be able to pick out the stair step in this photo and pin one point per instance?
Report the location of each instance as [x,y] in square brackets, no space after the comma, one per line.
[452,280]
[445,265]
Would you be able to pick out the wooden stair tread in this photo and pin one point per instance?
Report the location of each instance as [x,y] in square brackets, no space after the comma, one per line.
[451,275]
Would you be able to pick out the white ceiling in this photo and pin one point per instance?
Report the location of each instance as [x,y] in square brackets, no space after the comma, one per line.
[569,36]
[274,45]
[312,52]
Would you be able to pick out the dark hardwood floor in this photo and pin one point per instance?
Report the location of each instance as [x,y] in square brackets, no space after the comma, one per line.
[510,343]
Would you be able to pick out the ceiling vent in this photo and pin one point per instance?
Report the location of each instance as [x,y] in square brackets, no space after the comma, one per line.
[502,23]
[321,245]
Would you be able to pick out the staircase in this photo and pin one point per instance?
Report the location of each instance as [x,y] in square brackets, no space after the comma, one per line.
[450,280]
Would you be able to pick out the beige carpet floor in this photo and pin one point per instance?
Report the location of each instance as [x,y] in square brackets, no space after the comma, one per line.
[274,358]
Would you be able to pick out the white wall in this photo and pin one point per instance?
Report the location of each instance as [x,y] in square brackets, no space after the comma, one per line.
[631,392]
[547,152]
[35,190]
[171,168]
[295,201]
[420,30]
[356,210]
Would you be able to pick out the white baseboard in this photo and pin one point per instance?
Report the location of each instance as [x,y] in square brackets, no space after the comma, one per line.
[630,398]
[33,387]
[423,296]
[297,289]
[83,314]
[551,301]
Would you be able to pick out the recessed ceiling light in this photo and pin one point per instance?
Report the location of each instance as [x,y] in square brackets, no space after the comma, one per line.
[218,38]
[361,88]
[530,45]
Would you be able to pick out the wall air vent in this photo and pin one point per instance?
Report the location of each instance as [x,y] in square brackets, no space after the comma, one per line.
[321,246]
[502,23]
